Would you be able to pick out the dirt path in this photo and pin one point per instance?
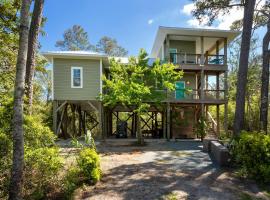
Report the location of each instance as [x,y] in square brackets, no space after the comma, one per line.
[164,170]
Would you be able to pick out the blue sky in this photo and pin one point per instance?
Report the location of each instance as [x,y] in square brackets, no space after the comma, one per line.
[133,23]
[127,21]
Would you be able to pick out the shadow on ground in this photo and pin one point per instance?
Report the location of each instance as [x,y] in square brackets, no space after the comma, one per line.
[162,170]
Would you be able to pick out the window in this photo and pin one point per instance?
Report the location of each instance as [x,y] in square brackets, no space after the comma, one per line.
[76,77]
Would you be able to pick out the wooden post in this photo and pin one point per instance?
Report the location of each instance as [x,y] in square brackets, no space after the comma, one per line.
[101,121]
[217,49]
[168,121]
[110,122]
[202,51]
[225,51]
[202,70]
[80,119]
[65,123]
[202,111]
[202,84]
[55,105]
[217,85]
[164,123]
[218,121]
[168,48]
[84,123]
[226,102]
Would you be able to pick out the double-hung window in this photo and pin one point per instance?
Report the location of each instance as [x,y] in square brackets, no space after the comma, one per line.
[76,77]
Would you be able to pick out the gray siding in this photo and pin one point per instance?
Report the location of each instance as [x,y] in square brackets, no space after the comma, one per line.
[62,79]
[188,47]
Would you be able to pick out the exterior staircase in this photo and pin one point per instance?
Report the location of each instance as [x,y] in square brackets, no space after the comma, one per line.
[212,126]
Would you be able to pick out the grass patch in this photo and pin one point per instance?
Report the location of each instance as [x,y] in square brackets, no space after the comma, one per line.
[170,196]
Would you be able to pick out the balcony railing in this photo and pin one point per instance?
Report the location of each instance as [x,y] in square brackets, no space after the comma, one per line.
[194,94]
[184,58]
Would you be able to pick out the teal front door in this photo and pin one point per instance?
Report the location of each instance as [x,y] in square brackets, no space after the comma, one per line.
[180,90]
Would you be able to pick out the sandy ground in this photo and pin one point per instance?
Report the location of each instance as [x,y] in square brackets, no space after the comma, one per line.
[164,170]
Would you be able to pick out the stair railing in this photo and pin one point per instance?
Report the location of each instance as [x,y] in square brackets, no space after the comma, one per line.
[212,121]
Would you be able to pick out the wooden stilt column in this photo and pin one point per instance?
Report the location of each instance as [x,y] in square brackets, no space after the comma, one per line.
[218,121]
[168,121]
[202,70]
[164,123]
[101,121]
[55,106]
[110,122]
[226,103]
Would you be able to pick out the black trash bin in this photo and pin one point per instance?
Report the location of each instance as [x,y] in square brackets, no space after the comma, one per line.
[121,129]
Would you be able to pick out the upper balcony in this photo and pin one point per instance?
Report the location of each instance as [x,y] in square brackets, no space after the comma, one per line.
[187,61]
[193,49]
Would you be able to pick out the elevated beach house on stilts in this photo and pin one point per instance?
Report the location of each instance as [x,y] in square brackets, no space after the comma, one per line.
[200,53]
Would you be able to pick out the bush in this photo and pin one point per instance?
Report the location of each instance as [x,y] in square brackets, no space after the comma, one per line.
[72,180]
[252,153]
[5,164]
[201,128]
[42,166]
[36,134]
[89,164]
[87,170]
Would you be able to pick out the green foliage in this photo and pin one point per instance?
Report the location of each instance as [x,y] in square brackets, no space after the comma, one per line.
[9,39]
[36,134]
[89,164]
[133,84]
[5,163]
[72,180]
[201,128]
[86,170]
[252,153]
[207,11]
[42,166]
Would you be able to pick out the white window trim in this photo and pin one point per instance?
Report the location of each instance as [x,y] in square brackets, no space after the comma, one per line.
[72,84]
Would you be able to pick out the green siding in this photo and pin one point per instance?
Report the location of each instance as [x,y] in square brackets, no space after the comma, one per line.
[62,79]
[188,47]
[192,80]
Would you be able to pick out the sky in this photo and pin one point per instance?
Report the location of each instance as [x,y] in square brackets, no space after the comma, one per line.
[133,23]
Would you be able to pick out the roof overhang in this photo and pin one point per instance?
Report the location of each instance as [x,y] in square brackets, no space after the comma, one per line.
[188,33]
[50,55]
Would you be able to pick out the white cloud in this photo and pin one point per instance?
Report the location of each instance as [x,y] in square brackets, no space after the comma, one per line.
[222,21]
[150,21]
[188,8]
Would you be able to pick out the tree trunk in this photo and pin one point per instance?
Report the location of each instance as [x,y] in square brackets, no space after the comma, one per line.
[139,130]
[32,48]
[243,66]
[16,182]
[265,79]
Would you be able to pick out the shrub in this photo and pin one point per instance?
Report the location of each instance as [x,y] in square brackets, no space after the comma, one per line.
[251,152]
[42,166]
[5,164]
[72,180]
[36,134]
[201,128]
[89,163]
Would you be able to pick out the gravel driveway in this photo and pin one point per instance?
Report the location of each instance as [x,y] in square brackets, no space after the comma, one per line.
[164,170]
